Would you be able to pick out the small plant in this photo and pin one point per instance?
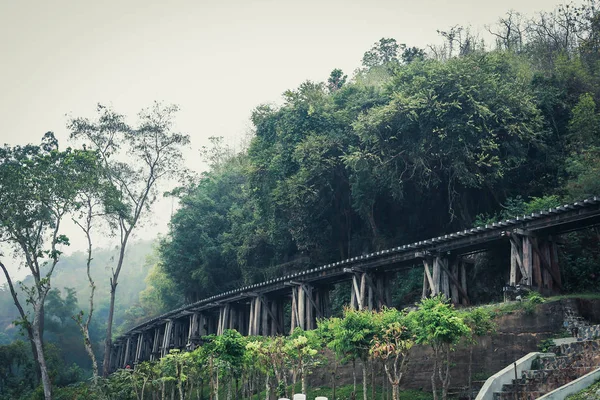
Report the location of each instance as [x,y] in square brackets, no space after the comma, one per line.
[535,298]
[545,345]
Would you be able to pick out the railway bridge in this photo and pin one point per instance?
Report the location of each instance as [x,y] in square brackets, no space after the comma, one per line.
[261,309]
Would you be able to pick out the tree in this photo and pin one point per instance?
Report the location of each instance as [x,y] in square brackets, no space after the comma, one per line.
[352,338]
[392,344]
[480,323]
[302,347]
[383,52]
[153,154]
[39,187]
[437,324]
[336,80]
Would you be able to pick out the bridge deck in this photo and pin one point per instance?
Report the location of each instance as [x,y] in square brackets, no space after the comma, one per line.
[554,221]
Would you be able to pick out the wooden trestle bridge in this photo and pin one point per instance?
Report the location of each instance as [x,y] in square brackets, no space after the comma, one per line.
[259,309]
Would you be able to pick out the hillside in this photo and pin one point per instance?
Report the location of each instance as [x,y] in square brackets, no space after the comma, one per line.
[70,273]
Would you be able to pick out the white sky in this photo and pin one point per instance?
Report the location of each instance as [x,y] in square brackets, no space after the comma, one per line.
[216,59]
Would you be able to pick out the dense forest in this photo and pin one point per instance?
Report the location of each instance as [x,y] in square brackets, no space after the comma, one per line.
[415,143]
[418,143]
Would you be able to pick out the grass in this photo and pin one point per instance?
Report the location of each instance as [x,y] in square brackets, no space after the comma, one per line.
[586,296]
[345,393]
[587,394]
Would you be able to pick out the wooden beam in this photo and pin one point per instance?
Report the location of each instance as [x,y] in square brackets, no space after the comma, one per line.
[271,313]
[312,302]
[547,265]
[455,281]
[454,288]
[357,291]
[463,278]
[301,308]
[374,289]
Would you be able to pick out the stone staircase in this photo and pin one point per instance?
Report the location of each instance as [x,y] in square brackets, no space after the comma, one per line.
[570,360]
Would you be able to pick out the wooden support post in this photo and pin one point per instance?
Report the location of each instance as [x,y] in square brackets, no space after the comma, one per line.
[514,259]
[357,292]
[167,338]
[380,291]
[435,287]
[280,317]
[528,260]
[555,266]
[117,363]
[463,280]
[445,284]
[155,345]
[546,275]
[127,350]
[294,311]
[264,317]
[353,303]
[363,290]
[301,308]
[388,289]
[310,307]
[138,349]
[536,267]
[274,319]
[251,319]
[241,326]
[453,287]
[231,318]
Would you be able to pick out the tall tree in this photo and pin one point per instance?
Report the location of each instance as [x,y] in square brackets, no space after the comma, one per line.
[135,160]
[39,186]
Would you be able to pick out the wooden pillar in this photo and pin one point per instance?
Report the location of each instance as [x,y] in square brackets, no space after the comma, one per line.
[546,276]
[301,308]
[167,338]
[435,289]
[275,314]
[514,260]
[138,348]
[453,289]
[257,314]
[127,350]
[357,292]
[363,290]
[463,281]
[155,345]
[251,319]
[294,311]
[445,281]
[536,266]
[554,262]
[265,317]
[310,309]
[528,260]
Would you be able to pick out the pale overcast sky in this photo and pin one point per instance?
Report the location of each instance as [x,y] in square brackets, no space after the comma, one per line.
[216,59]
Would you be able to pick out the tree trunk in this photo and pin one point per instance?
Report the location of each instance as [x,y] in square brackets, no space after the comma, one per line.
[304,385]
[334,376]
[364,373]
[354,378]
[39,348]
[111,309]
[395,391]
[433,374]
[267,387]
[471,371]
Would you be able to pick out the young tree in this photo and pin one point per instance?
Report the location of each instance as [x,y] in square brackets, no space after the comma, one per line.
[480,323]
[392,344]
[301,347]
[39,189]
[438,325]
[135,160]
